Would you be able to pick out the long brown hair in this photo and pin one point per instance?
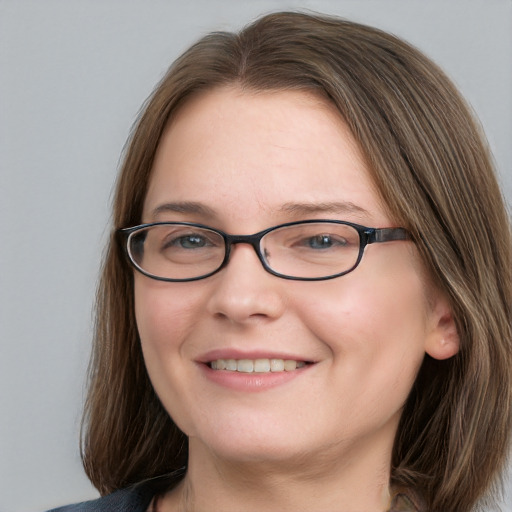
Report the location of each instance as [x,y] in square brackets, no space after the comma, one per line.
[434,172]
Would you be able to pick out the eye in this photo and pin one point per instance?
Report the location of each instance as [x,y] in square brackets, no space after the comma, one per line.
[324,241]
[189,241]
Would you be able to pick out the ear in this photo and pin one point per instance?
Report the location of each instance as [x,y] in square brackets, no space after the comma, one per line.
[443,339]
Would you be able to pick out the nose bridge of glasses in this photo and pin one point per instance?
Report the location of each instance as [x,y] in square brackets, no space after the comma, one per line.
[253,240]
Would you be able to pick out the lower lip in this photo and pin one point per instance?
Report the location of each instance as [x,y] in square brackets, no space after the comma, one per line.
[251,382]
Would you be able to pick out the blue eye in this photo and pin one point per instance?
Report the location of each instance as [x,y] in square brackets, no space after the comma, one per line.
[190,242]
[324,242]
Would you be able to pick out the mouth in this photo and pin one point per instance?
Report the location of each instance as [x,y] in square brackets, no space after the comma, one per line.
[257,365]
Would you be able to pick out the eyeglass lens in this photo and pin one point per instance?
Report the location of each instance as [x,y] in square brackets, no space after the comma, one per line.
[309,250]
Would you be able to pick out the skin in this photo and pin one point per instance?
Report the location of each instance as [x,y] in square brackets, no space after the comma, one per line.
[323,440]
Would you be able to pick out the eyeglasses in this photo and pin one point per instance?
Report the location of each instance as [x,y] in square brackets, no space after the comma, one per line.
[310,250]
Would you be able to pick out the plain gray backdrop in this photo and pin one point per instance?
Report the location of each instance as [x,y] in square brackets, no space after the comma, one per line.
[73,74]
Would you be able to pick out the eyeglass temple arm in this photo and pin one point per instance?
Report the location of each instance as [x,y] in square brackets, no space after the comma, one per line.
[388,235]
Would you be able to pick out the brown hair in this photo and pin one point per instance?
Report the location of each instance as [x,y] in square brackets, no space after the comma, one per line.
[434,172]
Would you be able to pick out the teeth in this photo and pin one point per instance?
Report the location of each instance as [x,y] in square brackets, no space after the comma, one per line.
[290,365]
[256,365]
[276,365]
[245,365]
[231,365]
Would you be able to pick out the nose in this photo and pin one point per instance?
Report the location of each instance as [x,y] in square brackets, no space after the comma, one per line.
[244,291]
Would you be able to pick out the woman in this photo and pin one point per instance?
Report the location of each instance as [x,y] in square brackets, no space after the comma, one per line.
[357,356]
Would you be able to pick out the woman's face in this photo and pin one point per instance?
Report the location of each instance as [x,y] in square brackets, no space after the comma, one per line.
[242,162]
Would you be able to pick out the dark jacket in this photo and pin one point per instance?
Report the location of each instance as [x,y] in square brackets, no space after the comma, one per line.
[133,499]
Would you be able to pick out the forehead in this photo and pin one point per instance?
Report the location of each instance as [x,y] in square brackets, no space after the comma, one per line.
[252,152]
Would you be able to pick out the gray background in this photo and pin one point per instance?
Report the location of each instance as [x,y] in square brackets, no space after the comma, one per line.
[73,74]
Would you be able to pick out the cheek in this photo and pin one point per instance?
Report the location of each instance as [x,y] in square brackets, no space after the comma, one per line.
[366,314]
[164,315]
[374,323]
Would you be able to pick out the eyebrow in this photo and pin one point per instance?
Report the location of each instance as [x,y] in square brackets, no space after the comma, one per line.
[184,207]
[339,208]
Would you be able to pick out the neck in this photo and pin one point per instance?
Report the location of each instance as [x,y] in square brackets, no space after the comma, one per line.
[349,482]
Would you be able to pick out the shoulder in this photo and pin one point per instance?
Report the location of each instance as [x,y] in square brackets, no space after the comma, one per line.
[134,499]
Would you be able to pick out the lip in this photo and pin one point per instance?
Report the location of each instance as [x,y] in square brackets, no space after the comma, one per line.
[250,382]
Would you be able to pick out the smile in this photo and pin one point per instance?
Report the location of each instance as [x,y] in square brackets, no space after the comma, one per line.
[256,365]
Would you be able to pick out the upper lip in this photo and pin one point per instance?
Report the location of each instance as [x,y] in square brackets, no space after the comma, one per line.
[214,355]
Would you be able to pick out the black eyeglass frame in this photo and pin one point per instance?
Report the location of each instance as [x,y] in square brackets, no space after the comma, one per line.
[367,236]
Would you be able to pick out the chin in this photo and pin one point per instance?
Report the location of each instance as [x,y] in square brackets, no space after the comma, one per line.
[244,452]
[246,441]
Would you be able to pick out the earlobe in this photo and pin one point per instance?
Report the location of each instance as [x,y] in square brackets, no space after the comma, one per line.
[443,341]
